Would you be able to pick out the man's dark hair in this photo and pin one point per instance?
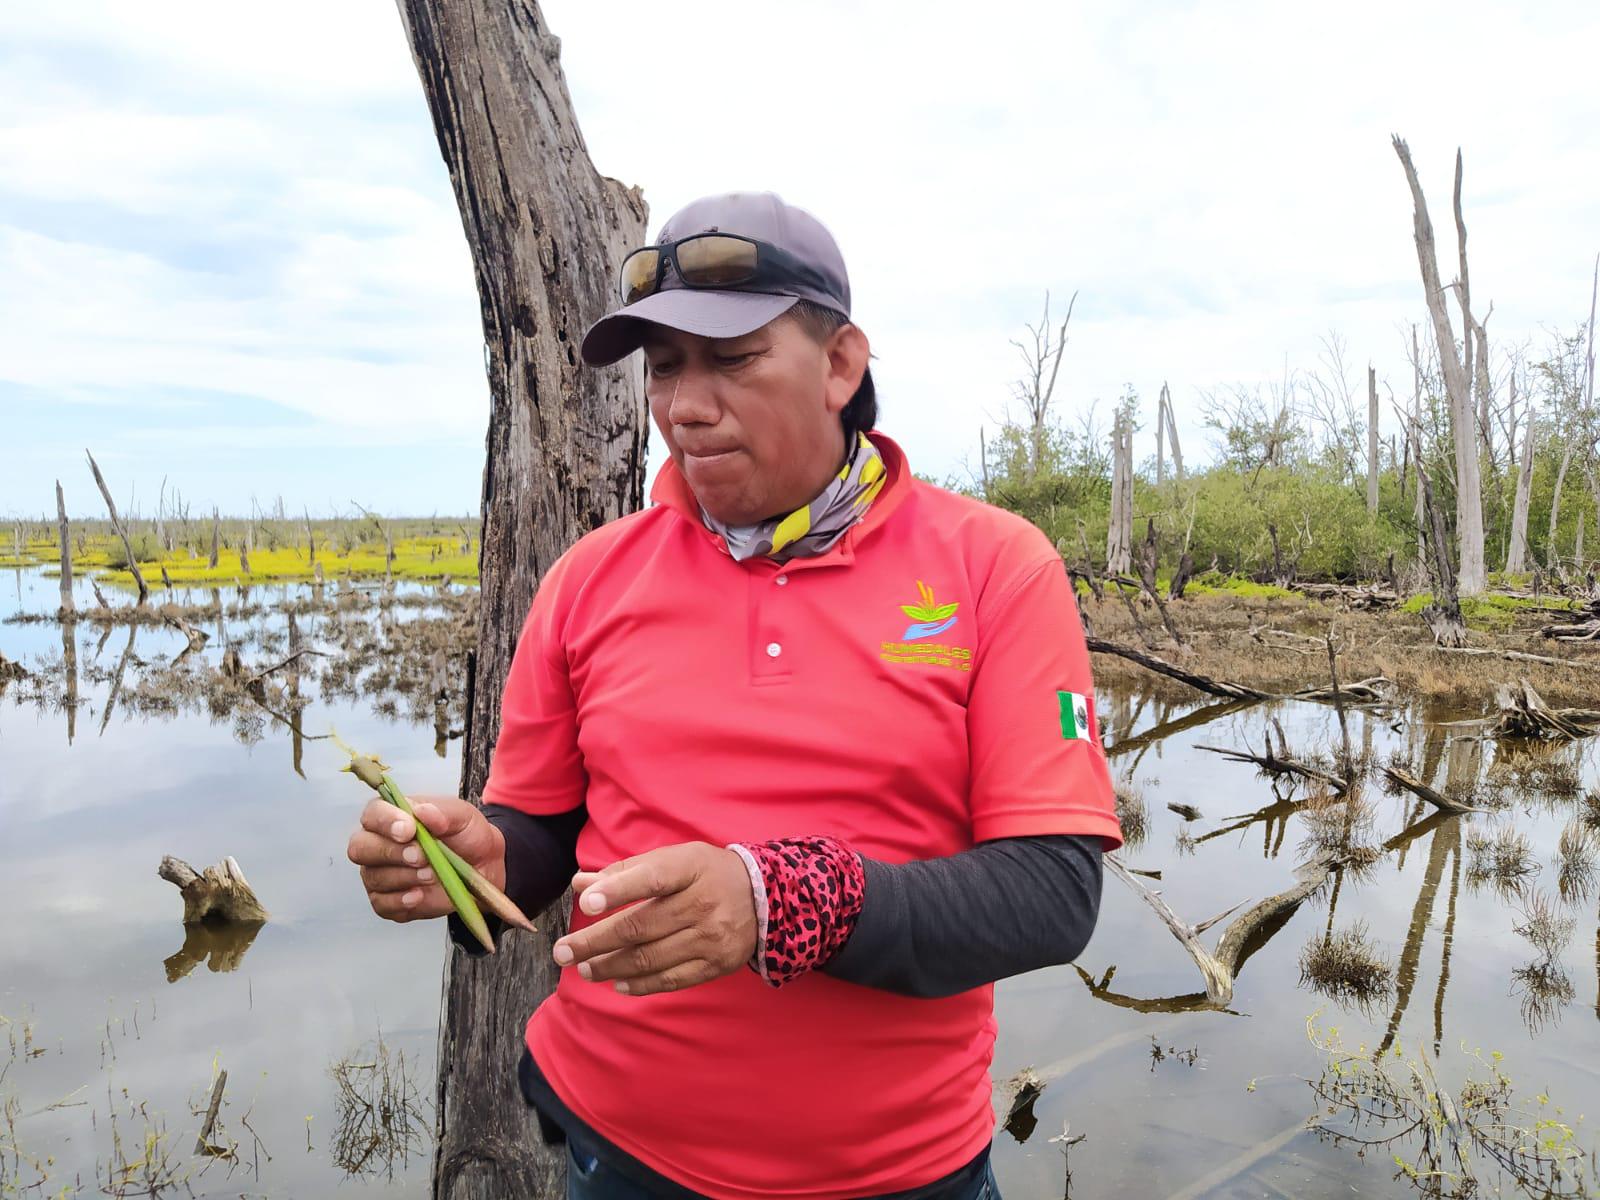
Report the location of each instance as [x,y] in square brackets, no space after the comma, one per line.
[861,414]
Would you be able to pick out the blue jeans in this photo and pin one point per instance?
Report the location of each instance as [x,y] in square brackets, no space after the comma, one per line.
[590,1179]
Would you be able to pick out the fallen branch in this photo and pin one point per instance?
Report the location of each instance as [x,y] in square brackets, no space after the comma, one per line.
[197,638]
[1416,787]
[203,1143]
[1204,683]
[278,666]
[1583,631]
[1278,763]
[1375,690]
[1218,970]
[1519,656]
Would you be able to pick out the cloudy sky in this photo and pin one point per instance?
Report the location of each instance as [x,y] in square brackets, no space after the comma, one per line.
[230,257]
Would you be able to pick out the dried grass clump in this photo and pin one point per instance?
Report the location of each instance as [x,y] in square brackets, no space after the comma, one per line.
[1133,814]
[1575,860]
[1544,989]
[1589,810]
[1505,860]
[1540,773]
[1544,924]
[1342,825]
[1346,967]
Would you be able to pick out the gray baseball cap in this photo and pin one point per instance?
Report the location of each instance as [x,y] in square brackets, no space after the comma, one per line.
[736,310]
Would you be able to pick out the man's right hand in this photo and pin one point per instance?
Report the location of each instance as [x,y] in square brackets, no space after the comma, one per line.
[400,884]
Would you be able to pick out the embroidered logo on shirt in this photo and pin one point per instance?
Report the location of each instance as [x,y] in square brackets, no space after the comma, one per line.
[1075,716]
[928,618]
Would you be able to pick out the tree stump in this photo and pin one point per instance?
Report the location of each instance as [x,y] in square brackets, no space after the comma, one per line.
[218,893]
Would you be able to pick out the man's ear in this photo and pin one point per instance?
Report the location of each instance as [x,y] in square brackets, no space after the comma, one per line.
[847,352]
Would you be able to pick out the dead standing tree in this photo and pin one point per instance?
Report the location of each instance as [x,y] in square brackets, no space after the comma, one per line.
[1457,375]
[1035,389]
[1119,533]
[566,450]
[122,530]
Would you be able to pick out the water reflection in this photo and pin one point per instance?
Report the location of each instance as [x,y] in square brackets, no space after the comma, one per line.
[221,945]
[185,756]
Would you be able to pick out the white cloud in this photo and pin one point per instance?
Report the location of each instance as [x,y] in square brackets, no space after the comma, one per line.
[1215,181]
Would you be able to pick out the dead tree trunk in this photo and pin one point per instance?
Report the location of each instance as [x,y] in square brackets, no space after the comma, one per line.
[66,610]
[1418,510]
[1517,552]
[1444,614]
[566,450]
[1172,434]
[1161,437]
[1552,557]
[1119,533]
[216,538]
[1457,377]
[1372,441]
[122,532]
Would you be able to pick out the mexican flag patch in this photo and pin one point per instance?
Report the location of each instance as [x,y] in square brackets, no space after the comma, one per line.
[1075,716]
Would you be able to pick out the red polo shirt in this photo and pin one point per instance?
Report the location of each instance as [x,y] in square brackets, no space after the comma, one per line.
[913,691]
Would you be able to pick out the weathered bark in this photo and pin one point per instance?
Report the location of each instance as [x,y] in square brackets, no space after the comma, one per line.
[1594,294]
[1523,713]
[1147,579]
[1119,533]
[1219,970]
[1372,440]
[1457,376]
[116,523]
[1443,616]
[66,609]
[1204,683]
[1517,553]
[1403,778]
[1552,557]
[566,450]
[1172,434]
[1161,437]
[1418,511]
[217,893]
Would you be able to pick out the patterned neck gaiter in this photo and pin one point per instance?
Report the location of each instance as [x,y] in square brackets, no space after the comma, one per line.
[815,527]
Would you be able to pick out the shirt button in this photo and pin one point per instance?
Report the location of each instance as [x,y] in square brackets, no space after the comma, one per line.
[781,580]
[773,649]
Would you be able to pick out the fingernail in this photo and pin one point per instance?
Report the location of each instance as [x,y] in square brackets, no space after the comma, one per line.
[398,829]
[412,854]
[563,953]
[586,970]
[410,898]
[622,986]
[425,875]
[593,902]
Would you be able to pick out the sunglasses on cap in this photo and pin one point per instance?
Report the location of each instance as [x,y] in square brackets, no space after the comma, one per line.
[715,260]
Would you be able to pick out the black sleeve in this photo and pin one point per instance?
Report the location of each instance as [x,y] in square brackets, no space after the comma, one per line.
[939,926]
[541,858]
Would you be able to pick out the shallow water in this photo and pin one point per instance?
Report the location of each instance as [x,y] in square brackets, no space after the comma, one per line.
[84,952]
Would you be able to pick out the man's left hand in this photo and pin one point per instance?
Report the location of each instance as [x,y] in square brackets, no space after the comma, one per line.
[692,919]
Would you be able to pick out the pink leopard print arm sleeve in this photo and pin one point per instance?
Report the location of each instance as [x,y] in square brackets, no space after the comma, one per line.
[808,893]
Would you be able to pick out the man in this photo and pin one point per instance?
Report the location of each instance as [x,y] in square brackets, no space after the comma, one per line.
[821,738]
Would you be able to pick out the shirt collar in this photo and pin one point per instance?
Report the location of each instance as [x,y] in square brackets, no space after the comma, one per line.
[672,491]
